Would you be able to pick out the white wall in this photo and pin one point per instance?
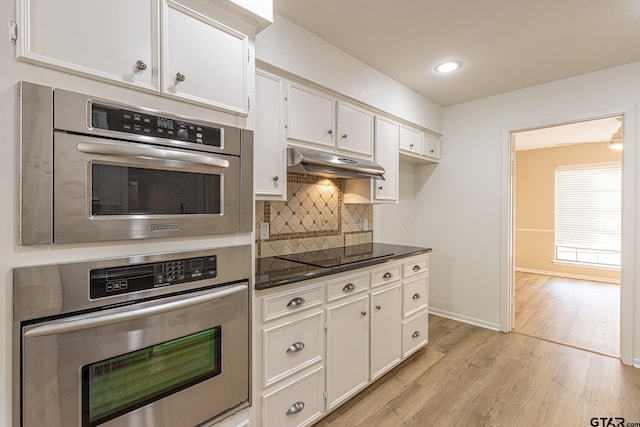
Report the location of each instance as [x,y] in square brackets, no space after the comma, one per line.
[297,51]
[463,201]
[11,255]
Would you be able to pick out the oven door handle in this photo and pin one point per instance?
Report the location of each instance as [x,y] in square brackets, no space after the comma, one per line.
[148,151]
[79,324]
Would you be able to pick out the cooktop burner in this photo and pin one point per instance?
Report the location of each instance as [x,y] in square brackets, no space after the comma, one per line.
[334,257]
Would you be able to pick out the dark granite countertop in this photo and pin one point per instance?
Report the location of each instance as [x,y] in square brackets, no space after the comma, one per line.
[275,271]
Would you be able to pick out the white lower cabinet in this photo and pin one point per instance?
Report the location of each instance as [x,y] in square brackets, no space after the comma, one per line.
[385,329]
[323,340]
[347,349]
[298,403]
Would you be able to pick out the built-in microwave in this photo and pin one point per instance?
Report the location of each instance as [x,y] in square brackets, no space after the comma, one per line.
[93,169]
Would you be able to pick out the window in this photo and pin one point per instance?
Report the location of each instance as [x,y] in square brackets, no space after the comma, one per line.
[588,214]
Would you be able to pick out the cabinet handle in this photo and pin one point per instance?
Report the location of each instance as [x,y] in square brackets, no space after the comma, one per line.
[140,65]
[364,313]
[348,287]
[180,77]
[416,296]
[387,276]
[295,408]
[296,302]
[416,268]
[344,135]
[378,307]
[295,347]
[330,131]
[276,178]
[416,334]
[380,188]
[411,146]
[432,151]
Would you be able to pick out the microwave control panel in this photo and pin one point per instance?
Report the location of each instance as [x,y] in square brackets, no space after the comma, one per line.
[106,282]
[143,123]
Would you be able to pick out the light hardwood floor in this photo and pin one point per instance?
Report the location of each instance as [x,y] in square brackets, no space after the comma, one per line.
[574,312]
[470,376]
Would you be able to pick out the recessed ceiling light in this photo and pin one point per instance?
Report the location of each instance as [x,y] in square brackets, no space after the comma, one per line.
[448,66]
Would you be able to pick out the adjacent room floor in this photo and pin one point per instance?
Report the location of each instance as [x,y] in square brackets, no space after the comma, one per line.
[470,376]
[573,312]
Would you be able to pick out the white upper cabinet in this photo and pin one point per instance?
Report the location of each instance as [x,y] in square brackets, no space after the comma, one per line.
[410,140]
[355,130]
[311,116]
[115,40]
[203,61]
[387,156]
[431,146]
[122,41]
[270,168]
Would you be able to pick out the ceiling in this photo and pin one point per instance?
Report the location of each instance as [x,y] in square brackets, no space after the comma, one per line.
[504,44]
[600,130]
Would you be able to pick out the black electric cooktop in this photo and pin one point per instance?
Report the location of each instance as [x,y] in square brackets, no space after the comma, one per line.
[334,257]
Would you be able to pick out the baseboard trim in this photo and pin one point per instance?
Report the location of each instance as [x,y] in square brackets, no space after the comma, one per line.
[569,275]
[465,319]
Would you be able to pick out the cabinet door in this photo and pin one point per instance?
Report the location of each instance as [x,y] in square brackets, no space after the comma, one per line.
[386,148]
[347,350]
[431,146]
[269,170]
[355,130]
[203,61]
[410,140]
[386,330]
[114,40]
[311,116]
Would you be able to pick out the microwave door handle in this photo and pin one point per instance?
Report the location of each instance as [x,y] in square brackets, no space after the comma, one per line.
[79,324]
[118,149]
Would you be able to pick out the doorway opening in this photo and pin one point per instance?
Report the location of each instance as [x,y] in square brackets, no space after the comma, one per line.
[566,233]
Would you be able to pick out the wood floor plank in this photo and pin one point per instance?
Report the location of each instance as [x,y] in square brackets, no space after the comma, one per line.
[469,376]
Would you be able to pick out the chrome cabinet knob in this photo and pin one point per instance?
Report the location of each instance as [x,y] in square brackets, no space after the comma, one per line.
[295,408]
[364,313]
[295,347]
[140,65]
[296,302]
[276,178]
[416,296]
[330,131]
[416,268]
[344,135]
[432,151]
[378,307]
[416,334]
[411,146]
[380,188]
[180,77]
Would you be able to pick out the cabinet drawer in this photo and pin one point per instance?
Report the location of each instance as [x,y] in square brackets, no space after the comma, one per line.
[387,274]
[415,296]
[347,286]
[297,404]
[415,266]
[289,347]
[414,333]
[279,305]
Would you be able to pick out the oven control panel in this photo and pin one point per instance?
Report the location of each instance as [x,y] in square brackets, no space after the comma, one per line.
[106,282]
[143,123]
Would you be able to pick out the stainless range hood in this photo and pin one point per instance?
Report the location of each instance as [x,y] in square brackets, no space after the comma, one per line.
[330,165]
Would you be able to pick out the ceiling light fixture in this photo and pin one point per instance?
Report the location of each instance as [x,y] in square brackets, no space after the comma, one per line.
[448,66]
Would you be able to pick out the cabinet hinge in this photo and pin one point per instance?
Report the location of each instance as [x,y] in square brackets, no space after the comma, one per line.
[13,32]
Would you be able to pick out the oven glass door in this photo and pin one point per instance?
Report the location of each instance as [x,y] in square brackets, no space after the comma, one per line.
[178,360]
[126,190]
[113,190]
[120,384]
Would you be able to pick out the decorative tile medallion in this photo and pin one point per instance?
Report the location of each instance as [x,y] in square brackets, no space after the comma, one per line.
[313,217]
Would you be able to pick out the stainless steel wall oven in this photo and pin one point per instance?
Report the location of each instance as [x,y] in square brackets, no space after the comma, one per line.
[157,340]
[94,169]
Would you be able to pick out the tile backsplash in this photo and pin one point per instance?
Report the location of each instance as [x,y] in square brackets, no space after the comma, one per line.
[313,217]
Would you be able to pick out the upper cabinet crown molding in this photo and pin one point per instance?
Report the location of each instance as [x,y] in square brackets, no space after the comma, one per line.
[206,54]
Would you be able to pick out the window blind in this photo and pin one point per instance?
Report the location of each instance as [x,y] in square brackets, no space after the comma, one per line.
[588,213]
